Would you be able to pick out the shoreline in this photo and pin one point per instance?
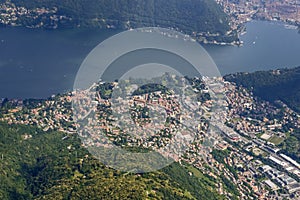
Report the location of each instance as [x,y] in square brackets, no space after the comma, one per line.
[16,100]
[199,37]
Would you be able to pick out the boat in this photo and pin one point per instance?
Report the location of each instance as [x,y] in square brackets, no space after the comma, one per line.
[289,26]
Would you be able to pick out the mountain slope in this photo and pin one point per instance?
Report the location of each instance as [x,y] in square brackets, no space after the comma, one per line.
[273,85]
[45,166]
[189,16]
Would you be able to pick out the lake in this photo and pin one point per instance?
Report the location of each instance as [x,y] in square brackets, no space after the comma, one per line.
[38,63]
[267,45]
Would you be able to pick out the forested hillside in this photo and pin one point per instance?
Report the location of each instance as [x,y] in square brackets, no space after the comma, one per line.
[189,16]
[39,165]
[274,85]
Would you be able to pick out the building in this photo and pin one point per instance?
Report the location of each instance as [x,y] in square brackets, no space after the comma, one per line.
[290,160]
[293,187]
[277,161]
[271,185]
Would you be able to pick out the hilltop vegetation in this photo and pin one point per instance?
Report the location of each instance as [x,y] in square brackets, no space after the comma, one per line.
[274,85]
[189,16]
[46,165]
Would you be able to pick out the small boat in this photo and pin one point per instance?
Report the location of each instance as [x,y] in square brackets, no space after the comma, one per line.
[288,26]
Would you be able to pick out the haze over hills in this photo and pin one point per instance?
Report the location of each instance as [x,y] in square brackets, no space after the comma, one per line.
[201,18]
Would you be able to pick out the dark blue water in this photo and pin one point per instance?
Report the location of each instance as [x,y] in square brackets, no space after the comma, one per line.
[39,63]
[267,45]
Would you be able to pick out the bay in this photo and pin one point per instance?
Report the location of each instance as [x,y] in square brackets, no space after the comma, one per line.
[267,45]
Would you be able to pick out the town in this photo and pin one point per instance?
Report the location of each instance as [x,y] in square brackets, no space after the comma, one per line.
[12,15]
[239,142]
[243,11]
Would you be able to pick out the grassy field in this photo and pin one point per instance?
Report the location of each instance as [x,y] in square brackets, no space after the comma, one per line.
[276,140]
[258,152]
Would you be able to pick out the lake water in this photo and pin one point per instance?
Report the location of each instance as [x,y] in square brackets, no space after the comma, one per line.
[267,45]
[38,63]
